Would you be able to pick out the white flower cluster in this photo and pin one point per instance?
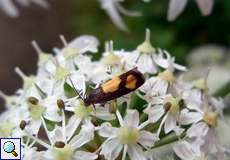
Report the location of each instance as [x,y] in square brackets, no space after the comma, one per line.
[10,6]
[54,123]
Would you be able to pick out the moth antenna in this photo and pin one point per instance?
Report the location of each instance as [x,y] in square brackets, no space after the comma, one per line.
[76,89]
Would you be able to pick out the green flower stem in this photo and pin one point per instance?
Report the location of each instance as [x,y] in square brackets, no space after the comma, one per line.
[153,127]
[169,139]
[143,117]
[223,91]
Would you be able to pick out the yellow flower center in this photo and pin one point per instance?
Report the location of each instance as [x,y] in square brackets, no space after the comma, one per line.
[65,153]
[61,73]
[43,58]
[128,135]
[173,104]
[36,110]
[210,118]
[146,46]
[6,129]
[82,111]
[69,52]
[167,75]
[111,59]
[200,84]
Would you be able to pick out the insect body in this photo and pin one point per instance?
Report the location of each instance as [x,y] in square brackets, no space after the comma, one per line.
[116,87]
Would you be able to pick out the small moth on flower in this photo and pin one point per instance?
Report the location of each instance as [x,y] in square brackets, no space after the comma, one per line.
[116,87]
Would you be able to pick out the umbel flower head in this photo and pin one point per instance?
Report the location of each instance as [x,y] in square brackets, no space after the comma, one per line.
[50,114]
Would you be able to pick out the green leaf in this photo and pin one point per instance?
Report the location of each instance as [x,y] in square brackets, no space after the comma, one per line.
[69,91]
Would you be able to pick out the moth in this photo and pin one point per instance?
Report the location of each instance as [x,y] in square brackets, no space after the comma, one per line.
[116,87]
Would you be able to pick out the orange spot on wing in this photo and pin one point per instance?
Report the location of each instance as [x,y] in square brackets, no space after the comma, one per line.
[111,85]
[131,82]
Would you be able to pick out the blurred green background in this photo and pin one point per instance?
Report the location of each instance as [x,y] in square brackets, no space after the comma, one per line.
[189,30]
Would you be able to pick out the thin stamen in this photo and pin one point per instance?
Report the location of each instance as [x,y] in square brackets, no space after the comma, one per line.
[63,40]
[36,47]
[119,118]
[143,124]
[38,140]
[63,126]
[19,72]
[147,35]
[111,46]
[124,152]
[45,127]
[106,46]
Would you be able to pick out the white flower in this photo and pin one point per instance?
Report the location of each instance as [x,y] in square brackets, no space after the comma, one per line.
[82,112]
[188,151]
[148,59]
[129,137]
[29,152]
[113,9]
[176,7]
[171,110]
[64,144]
[10,120]
[142,57]
[164,60]
[205,130]
[9,6]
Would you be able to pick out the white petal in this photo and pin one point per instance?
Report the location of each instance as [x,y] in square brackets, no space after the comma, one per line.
[110,7]
[189,117]
[34,126]
[175,8]
[56,135]
[205,6]
[154,113]
[85,43]
[135,152]
[103,113]
[170,123]
[86,134]
[9,8]
[132,118]
[71,126]
[106,130]
[147,139]
[111,149]
[198,130]
[146,64]
[127,12]
[184,150]
[82,155]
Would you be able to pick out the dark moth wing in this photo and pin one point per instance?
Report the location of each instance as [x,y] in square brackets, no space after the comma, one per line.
[118,86]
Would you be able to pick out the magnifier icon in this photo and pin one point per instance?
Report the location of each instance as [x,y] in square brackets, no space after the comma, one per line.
[9,147]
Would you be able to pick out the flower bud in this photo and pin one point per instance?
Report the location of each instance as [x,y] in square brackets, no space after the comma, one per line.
[167,106]
[113,107]
[60,104]
[22,124]
[33,100]
[59,144]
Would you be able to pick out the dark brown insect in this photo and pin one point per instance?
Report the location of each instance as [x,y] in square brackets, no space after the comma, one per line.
[116,87]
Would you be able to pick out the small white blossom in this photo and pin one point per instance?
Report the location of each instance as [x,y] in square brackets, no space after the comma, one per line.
[129,137]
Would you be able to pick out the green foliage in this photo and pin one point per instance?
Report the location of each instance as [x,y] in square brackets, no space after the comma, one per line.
[188,31]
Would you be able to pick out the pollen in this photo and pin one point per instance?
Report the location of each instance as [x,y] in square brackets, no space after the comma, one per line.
[111,85]
[131,82]
[210,118]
